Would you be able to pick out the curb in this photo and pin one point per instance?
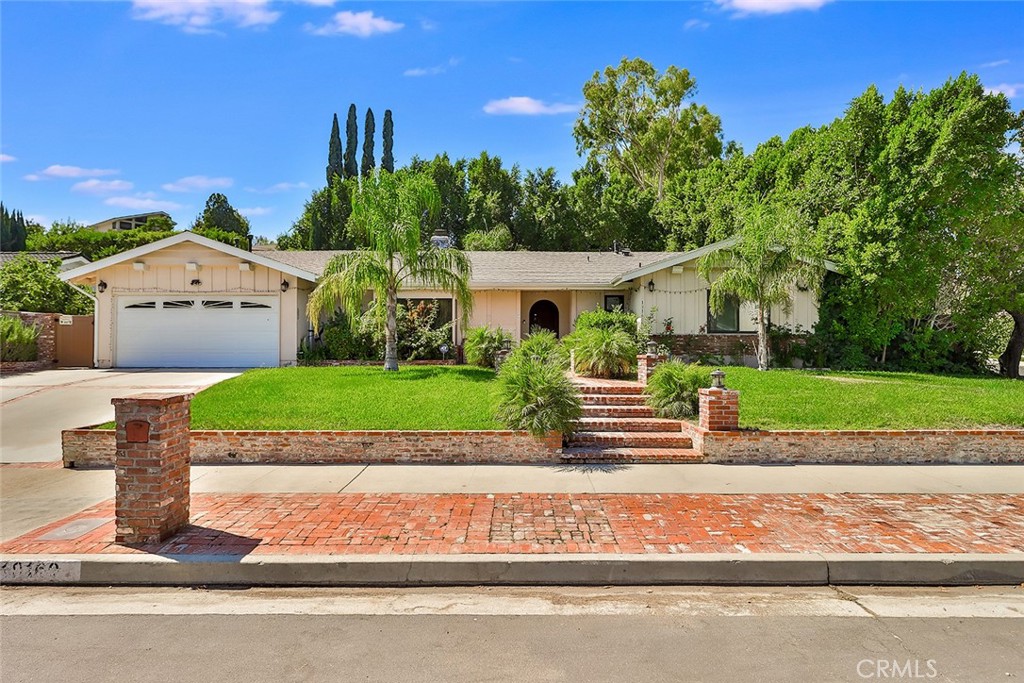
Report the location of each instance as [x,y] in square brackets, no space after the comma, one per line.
[811,569]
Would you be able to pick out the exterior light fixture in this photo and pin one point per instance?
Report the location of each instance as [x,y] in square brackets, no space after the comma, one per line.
[192,266]
[101,286]
[245,266]
[718,379]
[196,282]
[139,265]
[652,348]
[650,286]
[507,344]
[284,285]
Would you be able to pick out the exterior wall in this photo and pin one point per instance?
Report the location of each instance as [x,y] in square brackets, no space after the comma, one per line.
[96,447]
[588,300]
[165,274]
[683,297]
[46,343]
[495,308]
[560,298]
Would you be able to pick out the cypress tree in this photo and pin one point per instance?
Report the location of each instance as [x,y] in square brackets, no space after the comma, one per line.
[387,160]
[351,143]
[334,155]
[370,129]
[12,230]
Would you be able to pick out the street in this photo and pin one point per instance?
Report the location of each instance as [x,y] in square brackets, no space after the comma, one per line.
[492,634]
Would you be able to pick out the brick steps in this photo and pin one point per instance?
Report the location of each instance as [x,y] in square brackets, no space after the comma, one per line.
[596,455]
[628,424]
[631,439]
[621,389]
[614,399]
[617,411]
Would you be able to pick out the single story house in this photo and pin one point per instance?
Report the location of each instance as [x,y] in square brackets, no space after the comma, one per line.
[68,259]
[189,301]
[135,220]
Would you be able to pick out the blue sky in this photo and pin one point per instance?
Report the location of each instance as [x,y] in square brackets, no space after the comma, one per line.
[112,108]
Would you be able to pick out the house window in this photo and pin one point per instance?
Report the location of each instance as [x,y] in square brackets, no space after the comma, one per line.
[177,304]
[444,308]
[218,304]
[252,304]
[614,301]
[728,319]
[143,304]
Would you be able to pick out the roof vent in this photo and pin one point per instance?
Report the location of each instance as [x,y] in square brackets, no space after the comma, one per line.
[441,239]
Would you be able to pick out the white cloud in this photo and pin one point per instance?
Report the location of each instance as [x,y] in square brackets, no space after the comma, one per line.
[60,171]
[94,186]
[1011,90]
[998,62]
[142,203]
[432,70]
[744,7]
[527,106]
[278,187]
[200,16]
[255,211]
[318,3]
[195,183]
[5,158]
[696,25]
[361,24]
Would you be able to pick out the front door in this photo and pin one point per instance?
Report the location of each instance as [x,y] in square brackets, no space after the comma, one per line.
[544,314]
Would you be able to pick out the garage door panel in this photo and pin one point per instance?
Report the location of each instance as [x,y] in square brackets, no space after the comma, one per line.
[209,331]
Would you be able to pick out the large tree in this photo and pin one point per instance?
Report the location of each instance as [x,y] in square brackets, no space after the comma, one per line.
[368,131]
[13,231]
[351,143]
[218,214]
[387,160]
[389,213]
[335,156]
[494,194]
[27,284]
[639,123]
[773,252]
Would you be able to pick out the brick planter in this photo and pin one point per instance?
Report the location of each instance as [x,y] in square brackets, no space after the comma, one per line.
[96,447]
[46,343]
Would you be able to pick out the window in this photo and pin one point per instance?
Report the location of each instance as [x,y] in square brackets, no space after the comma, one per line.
[142,304]
[728,319]
[177,304]
[252,304]
[444,308]
[614,301]
[218,304]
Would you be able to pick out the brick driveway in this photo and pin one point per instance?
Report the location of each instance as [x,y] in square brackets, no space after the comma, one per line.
[567,523]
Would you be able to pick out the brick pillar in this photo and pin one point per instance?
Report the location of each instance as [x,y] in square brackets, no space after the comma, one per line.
[151,469]
[645,364]
[719,409]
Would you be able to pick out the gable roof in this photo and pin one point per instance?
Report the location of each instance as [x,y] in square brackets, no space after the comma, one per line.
[131,215]
[179,238]
[6,256]
[518,269]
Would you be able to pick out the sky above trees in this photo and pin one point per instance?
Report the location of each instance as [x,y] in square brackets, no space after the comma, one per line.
[121,107]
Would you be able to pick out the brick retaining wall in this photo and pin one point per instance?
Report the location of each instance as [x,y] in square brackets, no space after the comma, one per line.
[46,343]
[96,447]
[888,447]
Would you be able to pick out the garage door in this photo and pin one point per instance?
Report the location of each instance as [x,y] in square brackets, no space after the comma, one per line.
[197,332]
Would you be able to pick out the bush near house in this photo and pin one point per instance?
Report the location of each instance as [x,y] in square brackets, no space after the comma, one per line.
[17,340]
[482,345]
[420,336]
[672,389]
[536,395]
[605,353]
[27,284]
[600,319]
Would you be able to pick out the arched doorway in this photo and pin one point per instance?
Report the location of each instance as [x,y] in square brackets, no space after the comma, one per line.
[544,314]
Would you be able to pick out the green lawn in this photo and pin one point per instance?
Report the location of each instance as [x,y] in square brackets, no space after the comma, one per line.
[416,397]
[793,399]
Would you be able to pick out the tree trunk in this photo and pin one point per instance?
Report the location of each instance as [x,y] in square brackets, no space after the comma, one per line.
[391,336]
[1009,361]
[762,340]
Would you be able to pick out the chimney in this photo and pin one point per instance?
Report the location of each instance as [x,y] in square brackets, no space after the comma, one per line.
[249,240]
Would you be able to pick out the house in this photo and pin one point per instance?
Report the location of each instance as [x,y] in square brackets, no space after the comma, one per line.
[136,220]
[68,259]
[189,301]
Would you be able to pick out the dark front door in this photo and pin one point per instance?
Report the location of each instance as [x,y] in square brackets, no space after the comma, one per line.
[544,314]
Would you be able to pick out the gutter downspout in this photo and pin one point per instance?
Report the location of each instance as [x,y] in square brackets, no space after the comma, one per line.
[95,327]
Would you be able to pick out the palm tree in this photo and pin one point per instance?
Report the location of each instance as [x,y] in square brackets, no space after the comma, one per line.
[773,250]
[388,214]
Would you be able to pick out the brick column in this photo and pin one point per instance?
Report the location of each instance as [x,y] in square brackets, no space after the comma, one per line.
[645,364]
[719,409]
[151,469]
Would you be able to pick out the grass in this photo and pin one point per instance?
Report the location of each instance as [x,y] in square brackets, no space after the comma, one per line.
[794,399]
[416,397]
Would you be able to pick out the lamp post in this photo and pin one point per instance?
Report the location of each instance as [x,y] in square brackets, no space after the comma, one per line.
[718,379]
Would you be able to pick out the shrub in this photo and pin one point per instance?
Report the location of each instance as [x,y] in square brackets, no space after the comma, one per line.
[603,352]
[30,285]
[419,335]
[18,340]
[672,389]
[482,345]
[536,395]
[600,319]
[542,345]
[340,341]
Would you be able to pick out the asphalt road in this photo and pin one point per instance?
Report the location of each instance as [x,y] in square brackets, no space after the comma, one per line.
[538,634]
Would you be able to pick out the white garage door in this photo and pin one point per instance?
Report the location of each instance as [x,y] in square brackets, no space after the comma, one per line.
[197,332]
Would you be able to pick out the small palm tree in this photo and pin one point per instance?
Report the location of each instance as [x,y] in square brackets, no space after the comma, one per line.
[773,250]
[388,214]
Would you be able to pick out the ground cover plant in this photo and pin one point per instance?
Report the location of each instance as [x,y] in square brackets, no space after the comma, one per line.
[346,398]
[793,399]
[17,340]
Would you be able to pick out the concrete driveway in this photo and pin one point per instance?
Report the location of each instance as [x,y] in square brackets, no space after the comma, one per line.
[35,407]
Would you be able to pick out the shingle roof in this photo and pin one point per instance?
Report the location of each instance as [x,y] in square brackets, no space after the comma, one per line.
[498,269]
[6,256]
